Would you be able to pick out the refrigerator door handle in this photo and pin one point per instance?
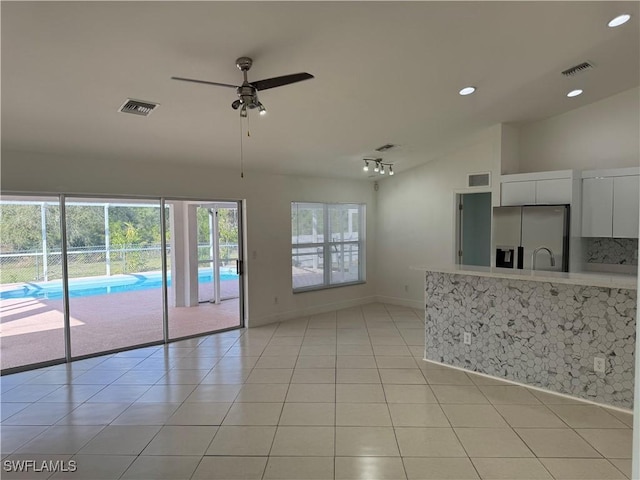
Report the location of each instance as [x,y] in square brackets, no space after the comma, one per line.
[520,258]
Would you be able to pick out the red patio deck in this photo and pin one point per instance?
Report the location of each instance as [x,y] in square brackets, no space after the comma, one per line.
[32,330]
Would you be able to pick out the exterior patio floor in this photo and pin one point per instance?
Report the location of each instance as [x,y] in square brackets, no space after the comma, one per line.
[32,330]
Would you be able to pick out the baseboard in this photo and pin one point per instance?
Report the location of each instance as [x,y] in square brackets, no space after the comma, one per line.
[305,312]
[533,387]
[402,302]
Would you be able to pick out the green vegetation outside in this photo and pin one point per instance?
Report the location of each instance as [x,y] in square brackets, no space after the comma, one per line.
[134,239]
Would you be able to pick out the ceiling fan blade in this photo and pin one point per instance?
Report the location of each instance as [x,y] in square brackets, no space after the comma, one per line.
[280,81]
[205,82]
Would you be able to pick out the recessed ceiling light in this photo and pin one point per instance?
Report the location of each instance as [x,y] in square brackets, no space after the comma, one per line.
[467,90]
[574,93]
[619,20]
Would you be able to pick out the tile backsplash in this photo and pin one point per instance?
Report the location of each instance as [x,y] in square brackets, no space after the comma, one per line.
[614,251]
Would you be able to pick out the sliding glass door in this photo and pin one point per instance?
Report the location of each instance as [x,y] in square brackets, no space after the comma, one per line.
[31,295]
[87,275]
[204,258]
[114,263]
[229,251]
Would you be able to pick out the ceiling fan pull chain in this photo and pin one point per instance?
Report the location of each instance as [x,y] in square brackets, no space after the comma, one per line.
[241,153]
[248,129]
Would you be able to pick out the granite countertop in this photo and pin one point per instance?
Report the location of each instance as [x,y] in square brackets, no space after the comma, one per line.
[607,280]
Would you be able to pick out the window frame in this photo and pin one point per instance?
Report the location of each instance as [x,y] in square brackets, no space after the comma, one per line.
[326,247]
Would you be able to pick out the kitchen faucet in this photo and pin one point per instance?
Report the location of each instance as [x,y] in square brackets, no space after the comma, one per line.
[535,252]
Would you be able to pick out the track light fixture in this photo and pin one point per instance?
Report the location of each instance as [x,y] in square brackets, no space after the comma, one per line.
[378,166]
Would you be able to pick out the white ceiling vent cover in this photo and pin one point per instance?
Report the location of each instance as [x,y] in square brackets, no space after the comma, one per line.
[138,107]
[570,72]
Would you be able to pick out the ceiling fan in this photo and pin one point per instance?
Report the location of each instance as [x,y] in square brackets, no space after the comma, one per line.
[248,91]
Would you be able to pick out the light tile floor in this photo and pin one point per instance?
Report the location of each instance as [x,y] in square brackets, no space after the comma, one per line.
[342,395]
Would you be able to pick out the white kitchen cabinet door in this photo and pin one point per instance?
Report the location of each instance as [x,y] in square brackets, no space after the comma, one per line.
[626,191]
[597,207]
[518,193]
[553,191]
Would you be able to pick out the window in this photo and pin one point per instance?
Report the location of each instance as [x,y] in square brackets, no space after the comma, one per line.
[327,245]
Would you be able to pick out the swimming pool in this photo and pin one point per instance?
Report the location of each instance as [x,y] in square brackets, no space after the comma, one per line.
[86,287]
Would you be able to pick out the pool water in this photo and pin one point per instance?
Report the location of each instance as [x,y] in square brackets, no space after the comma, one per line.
[86,287]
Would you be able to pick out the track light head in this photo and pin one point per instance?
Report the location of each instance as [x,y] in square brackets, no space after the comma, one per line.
[366,166]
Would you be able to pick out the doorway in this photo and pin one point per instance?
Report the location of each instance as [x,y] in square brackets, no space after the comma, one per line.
[204,256]
[218,253]
[474,229]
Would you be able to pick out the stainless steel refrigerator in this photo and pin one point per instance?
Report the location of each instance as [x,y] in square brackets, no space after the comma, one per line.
[522,233]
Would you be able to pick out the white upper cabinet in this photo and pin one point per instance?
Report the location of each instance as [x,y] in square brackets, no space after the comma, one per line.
[626,191]
[553,191]
[518,193]
[610,201]
[541,188]
[597,207]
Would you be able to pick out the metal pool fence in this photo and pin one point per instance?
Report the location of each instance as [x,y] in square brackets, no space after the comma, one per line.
[30,266]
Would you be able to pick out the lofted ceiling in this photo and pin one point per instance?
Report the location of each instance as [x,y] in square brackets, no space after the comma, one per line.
[386,72]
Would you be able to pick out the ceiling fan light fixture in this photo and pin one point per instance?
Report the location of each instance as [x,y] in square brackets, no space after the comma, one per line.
[619,20]
[247,91]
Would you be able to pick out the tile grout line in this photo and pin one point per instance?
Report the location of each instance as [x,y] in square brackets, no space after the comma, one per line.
[395,435]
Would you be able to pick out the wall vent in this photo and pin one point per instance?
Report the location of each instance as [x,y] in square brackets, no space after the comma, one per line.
[479,179]
[137,107]
[570,72]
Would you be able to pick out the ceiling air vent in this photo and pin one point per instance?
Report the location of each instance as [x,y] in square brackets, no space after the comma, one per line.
[386,147]
[137,107]
[570,72]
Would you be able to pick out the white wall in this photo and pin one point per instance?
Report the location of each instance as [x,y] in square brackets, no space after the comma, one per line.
[604,134]
[416,213]
[510,149]
[267,210]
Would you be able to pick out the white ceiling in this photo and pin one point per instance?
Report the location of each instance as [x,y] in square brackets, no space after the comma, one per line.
[385,72]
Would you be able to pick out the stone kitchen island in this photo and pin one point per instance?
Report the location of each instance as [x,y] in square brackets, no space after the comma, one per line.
[542,329]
